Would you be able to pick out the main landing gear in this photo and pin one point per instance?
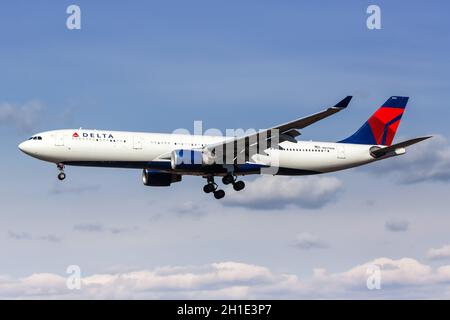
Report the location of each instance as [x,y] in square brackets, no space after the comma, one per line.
[61,175]
[211,186]
[237,185]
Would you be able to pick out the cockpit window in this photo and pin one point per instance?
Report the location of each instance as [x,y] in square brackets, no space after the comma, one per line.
[35,138]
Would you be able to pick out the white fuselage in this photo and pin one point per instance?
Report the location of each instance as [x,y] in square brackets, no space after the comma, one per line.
[152,151]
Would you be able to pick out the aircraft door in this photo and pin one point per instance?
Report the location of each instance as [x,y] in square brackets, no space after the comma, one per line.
[341,152]
[137,143]
[59,139]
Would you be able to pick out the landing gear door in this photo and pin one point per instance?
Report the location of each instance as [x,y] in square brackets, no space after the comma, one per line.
[341,152]
[59,139]
[137,143]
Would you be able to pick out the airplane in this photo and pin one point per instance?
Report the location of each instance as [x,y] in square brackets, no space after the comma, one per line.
[165,158]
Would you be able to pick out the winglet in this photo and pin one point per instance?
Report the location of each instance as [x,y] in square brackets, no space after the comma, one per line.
[343,103]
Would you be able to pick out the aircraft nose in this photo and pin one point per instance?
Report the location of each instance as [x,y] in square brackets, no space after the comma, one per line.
[23,146]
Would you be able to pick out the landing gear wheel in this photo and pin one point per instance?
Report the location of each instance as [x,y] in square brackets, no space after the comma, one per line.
[208,188]
[227,179]
[219,194]
[239,185]
[61,175]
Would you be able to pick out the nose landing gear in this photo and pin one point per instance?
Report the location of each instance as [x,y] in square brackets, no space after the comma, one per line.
[61,175]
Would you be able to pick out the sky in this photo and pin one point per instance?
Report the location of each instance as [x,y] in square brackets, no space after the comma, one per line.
[158,66]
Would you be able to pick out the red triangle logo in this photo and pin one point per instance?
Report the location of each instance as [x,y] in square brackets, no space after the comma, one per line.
[75,135]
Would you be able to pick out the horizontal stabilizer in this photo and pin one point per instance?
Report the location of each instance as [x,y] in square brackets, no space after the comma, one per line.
[377,153]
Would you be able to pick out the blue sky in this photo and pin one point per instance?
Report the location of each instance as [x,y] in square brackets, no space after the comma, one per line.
[158,66]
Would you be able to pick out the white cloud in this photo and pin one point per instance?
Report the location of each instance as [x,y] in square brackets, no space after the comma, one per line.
[308,241]
[19,235]
[269,192]
[89,227]
[23,117]
[426,161]
[97,227]
[405,272]
[50,238]
[439,253]
[190,208]
[402,278]
[396,225]
[28,236]
[223,279]
[59,189]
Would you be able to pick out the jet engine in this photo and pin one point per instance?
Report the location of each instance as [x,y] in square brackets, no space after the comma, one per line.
[159,179]
[187,159]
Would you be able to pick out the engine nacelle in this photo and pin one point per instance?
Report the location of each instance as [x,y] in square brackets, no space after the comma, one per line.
[159,179]
[189,159]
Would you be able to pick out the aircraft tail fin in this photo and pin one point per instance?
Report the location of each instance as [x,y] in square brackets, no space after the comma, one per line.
[381,127]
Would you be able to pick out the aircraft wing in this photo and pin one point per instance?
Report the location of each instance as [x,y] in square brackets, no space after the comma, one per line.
[285,132]
[384,151]
[306,121]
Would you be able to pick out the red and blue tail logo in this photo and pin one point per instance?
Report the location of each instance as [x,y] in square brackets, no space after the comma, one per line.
[382,125]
